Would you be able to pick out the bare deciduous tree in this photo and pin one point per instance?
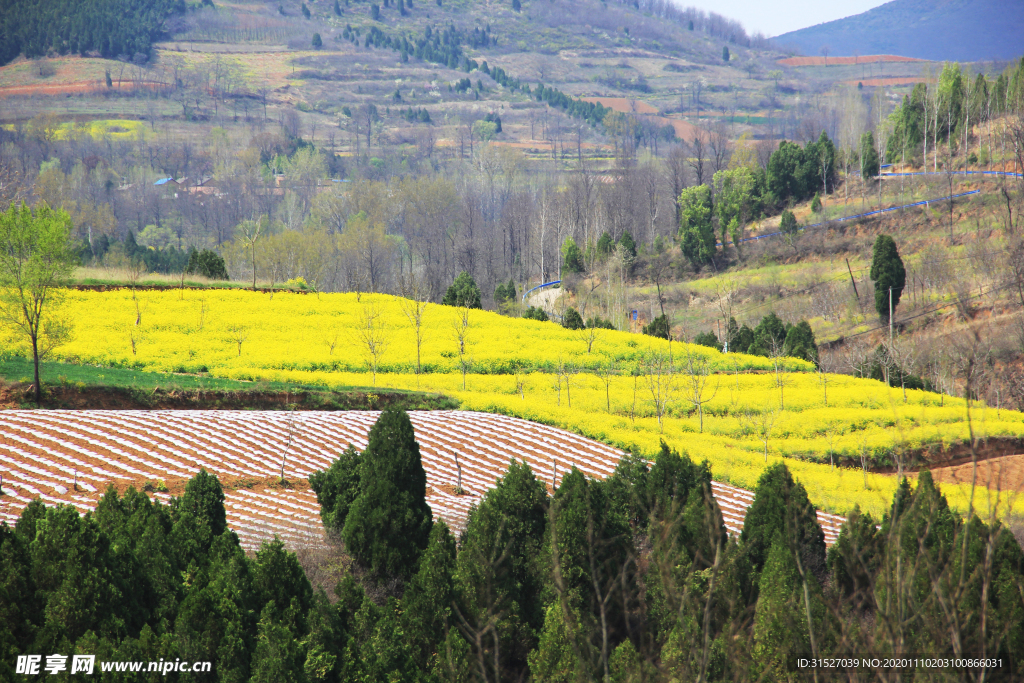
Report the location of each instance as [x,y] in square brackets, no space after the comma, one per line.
[414,305]
[659,371]
[460,334]
[373,334]
[700,389]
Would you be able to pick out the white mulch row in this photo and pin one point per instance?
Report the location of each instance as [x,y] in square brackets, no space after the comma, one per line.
[41,451]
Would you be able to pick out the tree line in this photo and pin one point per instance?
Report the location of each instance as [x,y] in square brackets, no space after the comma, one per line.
[946,111]
[113,28]
[627,579]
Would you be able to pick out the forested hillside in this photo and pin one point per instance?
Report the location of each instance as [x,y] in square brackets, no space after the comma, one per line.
[113,28]
[943,30]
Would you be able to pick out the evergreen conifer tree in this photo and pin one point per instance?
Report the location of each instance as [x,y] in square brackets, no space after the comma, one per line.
[696,232]
[278,579]
[572,257]
[800,342]
[659,327]
[781,505]
[888,273]
[463,292]
[388,524]
[321,645]
[572,319]
[427,603]
[497,572]
[628,244]
[199,517]
[781,629]
[870,163]
[337,488]
[278,656]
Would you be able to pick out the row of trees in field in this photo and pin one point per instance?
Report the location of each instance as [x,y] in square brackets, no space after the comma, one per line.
[946,111]
[37,27]
[630,578]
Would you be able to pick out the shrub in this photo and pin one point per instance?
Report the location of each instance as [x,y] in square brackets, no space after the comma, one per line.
[572,320]
[463,292]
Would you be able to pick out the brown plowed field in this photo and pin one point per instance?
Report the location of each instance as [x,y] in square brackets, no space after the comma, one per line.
[73,456]
[81,88]
[624,105]
[836,61]
[1004,473]
[882,82]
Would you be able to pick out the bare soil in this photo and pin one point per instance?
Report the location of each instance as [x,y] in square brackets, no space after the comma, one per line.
[80,88]
[1001,473]
[836,61]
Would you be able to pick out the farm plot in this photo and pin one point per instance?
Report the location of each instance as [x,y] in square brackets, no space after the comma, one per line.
[72,456]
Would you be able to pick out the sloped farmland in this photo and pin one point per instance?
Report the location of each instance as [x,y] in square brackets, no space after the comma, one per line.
[72,456]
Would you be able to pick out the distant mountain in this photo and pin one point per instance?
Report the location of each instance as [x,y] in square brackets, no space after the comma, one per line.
[960,30]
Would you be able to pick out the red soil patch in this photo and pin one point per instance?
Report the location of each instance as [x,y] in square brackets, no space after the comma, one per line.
[896,80]
[81,88]
[684,129]
[836,61]
[624,105]
[1004,473]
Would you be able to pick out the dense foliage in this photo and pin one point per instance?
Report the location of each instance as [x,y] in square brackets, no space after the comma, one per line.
[463,292]
[113,28]
[616,579]
[771,337]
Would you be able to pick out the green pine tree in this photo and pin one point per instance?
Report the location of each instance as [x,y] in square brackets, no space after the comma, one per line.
[337,488]
[388,524]
[278,579]
[781,505]
[497,574]
[659,327]
[870,164]
[322,644]
[278,656]
[199,517]
[888,274]
[427,603]
[781,628]
[572,319]
[463,292]
[788,224]
[800,342]
[572,257]
[628,244]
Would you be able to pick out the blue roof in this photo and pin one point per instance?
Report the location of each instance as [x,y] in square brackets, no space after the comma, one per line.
[163,181]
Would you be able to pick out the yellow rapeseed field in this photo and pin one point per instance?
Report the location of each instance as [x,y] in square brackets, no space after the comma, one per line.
[543,372]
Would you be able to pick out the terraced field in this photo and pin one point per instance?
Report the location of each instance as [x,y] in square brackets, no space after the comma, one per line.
[72,456]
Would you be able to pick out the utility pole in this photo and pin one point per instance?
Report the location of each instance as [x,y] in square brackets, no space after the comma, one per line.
[890,317]
[852,281]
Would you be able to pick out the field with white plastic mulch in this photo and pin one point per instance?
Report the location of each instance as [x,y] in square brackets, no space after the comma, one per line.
[72,456]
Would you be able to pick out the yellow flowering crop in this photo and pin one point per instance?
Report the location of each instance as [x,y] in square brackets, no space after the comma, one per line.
[512,368]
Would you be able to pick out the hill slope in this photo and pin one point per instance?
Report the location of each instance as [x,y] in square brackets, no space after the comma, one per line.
[961,30]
